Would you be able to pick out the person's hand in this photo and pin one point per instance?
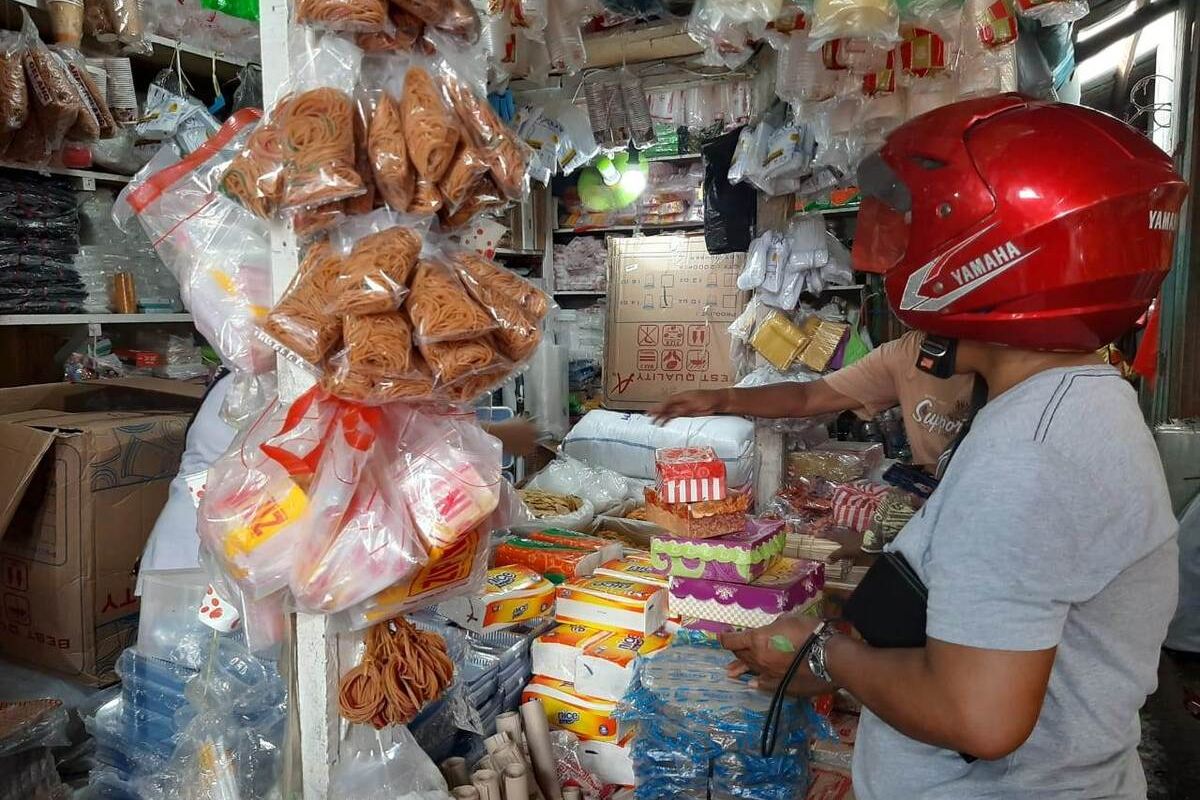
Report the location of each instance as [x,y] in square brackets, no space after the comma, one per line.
[850,541]
[769,651]
[518,435]
[697,403]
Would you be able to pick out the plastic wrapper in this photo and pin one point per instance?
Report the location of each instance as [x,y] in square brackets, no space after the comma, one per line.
[726,41]
[699,733]
[254,179]
[233,746]
[43,723]
[530,16]
[448,473]
[126,18]
[94,116]
[461,177]
[431,130]
[259,490]
[1052,12]
[354,540]
[440,307]
[386,765]
[356,16]
[317,128]
[217,252]
[515,305]
[399,35]
[609,492]
[456,17]
[303,320]
[52,96]
[380,252]
[564,39]
[875,20]
[387,149]
[14,94]
[498,145]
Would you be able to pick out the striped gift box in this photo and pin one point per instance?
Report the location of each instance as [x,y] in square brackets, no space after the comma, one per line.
[690,474]
[854,504]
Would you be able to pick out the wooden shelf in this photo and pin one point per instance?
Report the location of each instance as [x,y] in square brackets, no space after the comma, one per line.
[580,293]
[508,252]
[87,177]
[84,319]
[668,226]
[679,157]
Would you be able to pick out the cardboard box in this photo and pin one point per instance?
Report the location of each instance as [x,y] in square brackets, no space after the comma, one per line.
[86,473]
[668,318]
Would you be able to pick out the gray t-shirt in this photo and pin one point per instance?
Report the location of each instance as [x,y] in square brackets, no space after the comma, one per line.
[1052,527]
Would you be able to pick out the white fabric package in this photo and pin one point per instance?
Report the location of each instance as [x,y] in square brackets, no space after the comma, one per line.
[625,442]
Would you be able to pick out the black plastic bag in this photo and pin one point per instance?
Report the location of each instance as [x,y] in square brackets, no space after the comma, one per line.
[729,211]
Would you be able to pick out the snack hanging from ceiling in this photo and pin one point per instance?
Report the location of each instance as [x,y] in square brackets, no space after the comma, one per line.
[376,272]
[440,308]
[461,177]
[343,15]
[453,16]
[388,152]
[303,320]
[252,179]
[318,148]
[430,129]
[401,36]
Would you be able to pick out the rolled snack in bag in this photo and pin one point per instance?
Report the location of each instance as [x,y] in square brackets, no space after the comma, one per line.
[376,271]
[456,17]
[303,320]
[378,345]
[431,130]
[317,128]
[14,95]
[92,102]
[483,197]
[462,176]
[426,198]
[387,150]
[399,36]
[254,178]
[356,16]
[516,305]
[53,99]
[440,308]
[453,361]
[363,386]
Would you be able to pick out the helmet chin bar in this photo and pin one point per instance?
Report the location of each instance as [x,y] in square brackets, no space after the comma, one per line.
[937,356]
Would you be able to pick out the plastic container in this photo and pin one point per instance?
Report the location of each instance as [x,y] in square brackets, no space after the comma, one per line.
[168,618]
[143,669]
[153,697]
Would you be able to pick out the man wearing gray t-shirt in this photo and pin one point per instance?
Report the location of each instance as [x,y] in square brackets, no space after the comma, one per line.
[1048,550]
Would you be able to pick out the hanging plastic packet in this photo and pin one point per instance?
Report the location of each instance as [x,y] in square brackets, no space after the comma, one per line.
[762,11]
[316,127]
[219,254]
[749,153]
[303,321]
[385,765]
[637,110]
[544,135]
[726,42]
[379,252]
[258,491]
[400,34]
[93,107]
[564,39]
[14,94]
[431,130]
[874,20]
[1052,12]
[348,16]
[455,17]
[440,307]
[801,74]
[788,158]
[353,542]
[517,306]
[755,268]
[242,9]
[54,104]
[530,17]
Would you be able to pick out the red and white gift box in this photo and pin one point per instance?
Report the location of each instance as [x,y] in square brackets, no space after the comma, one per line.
[690,474]
[854,504]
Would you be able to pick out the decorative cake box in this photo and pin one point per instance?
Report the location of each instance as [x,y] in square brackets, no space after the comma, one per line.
[690,474]
[735,557]
[788,585]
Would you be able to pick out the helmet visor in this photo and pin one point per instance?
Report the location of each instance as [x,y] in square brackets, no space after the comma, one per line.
[883,218]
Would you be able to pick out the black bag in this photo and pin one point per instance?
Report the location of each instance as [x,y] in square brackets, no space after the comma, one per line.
[729,211]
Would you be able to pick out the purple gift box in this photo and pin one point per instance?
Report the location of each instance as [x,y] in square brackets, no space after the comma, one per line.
[791,583]
[737,557]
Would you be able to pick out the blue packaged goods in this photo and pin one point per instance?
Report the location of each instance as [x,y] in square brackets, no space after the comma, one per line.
[698,732]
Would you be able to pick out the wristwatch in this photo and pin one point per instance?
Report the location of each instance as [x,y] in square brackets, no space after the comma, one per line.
[816,656]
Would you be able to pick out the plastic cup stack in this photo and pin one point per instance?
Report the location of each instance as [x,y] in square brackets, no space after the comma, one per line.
[122,97]
[802,74]
[100,78]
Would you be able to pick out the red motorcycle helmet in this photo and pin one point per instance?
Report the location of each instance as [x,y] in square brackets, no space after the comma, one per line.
[1007,220]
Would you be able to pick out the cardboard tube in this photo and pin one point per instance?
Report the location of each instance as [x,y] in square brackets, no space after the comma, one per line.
[465,793]
[510,722]
[516,783]
[537,735]
[455,771]
[571,793]
[497,742]
[487,783]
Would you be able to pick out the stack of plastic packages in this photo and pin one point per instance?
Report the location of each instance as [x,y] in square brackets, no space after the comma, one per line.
[699,733]
[195,708]
[39,236]
[28,731]
[111,251]
[581,265]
